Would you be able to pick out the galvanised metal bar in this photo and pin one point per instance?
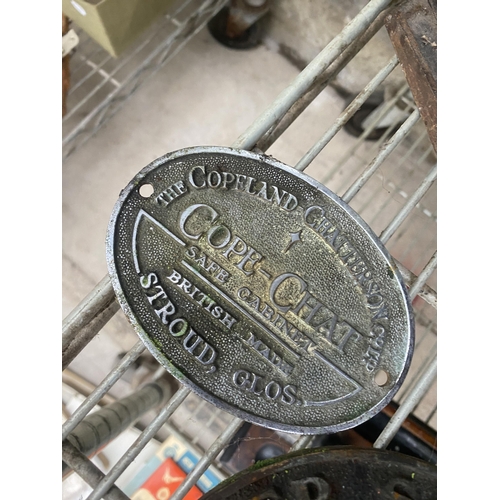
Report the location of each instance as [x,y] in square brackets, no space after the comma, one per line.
[130,455]
[306,78]
[408,109]
[102,389]
[381,112]
[408,405]
[386,150]
[411,383]
[410,204]
[376,192]
[426,292]
[423,276]
[347,114]
[89,472]
[206,459]
[87,319]
[84,40]
[83,59]
[86,310]
[95,70]
[273,134]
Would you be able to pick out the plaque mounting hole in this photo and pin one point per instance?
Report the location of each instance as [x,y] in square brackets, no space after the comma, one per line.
[381,378]
[146,190]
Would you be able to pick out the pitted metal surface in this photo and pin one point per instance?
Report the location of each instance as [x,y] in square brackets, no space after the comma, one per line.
[340,473]
[260,289]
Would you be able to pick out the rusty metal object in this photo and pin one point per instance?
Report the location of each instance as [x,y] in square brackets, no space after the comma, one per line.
[244,13]
[236,26]
[260,289]
[340,473]
[412,28]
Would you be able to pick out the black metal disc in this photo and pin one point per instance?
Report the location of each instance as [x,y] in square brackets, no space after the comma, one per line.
[336,473]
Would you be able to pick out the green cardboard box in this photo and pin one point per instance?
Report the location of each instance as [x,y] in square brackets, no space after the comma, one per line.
[114,24]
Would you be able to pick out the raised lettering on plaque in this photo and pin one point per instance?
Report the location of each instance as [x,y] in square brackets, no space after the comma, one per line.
[260,290]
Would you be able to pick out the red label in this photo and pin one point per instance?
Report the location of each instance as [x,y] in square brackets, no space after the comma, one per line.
[164,481]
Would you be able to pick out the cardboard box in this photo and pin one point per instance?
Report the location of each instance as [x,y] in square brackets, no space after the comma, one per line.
[163,483]
[175,449]
[114,24]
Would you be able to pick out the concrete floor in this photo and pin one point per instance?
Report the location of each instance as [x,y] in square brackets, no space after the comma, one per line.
[207,95]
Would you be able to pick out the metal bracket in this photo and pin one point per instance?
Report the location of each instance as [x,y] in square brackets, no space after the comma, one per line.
[69,42]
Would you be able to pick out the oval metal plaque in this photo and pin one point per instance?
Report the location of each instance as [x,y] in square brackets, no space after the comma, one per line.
[260,289]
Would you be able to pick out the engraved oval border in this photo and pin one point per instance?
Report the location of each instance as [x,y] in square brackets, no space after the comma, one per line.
[163,360]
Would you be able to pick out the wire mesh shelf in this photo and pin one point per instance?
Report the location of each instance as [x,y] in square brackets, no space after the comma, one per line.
[397,199]
[101,84]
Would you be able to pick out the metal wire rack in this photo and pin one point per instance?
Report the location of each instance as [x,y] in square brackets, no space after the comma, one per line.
[101,84]
[398,202]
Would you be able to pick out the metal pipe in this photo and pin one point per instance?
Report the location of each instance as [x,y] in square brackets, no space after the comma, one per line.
[426,292]
[87,319]
[206,459]
[347,114]
[102,389]
[372,216]
[86,310]
[386,150]
[411,382]
[273,134]
[410,204]
[308,76]
[89,472]
[377,120]
[130,455]
[423,276]
[409,404]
